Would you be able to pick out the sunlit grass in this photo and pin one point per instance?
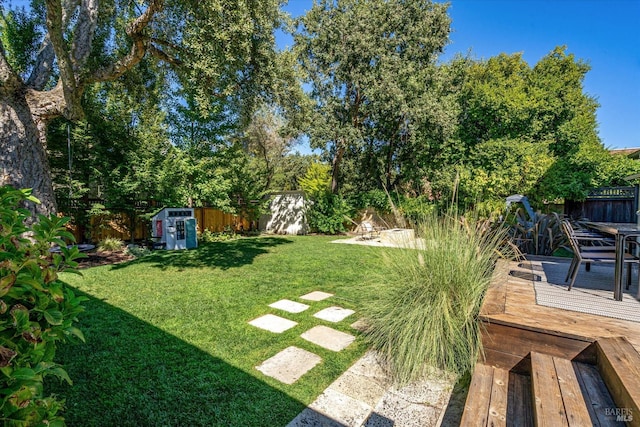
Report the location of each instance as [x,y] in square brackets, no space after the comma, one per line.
[168,341]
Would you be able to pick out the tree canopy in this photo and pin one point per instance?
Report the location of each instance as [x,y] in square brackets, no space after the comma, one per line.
[187,102]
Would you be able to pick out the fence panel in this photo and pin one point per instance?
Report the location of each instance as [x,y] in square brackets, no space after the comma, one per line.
[606,204]
[118,225]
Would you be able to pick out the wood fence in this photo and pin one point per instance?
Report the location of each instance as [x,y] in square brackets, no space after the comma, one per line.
[606,204]
[119,225]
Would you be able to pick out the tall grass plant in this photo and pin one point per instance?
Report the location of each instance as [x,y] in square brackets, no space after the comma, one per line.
[423,313]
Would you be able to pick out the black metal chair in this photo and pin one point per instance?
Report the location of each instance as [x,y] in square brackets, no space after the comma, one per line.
[592,254]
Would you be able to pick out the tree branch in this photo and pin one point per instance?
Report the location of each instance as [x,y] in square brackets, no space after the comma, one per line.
[8,78]
[44,61]
[83,34]
[138,47]
[163,56]
[71,91]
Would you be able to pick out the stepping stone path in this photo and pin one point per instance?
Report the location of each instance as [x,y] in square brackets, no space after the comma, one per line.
[334,314]
[273,323]
[291,363]
[328,338]
[316,296]
[289,306]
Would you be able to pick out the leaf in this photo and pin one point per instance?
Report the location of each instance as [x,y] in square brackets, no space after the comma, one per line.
[6,283]
[72,330]
[59,372]
[54,317]
[24,374]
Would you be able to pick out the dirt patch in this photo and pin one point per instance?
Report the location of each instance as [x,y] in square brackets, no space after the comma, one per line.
[96,259]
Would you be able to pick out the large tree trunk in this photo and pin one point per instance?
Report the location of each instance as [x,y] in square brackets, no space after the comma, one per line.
[25,106]
[335,166]
[23,155]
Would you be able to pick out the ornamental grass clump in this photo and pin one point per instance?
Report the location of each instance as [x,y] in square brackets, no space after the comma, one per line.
[110,244]
[423,313]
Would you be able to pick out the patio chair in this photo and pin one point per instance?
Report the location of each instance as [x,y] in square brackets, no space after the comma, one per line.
[593,254]
[368,231]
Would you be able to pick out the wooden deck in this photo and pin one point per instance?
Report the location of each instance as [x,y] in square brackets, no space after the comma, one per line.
[514,324]
[545,366]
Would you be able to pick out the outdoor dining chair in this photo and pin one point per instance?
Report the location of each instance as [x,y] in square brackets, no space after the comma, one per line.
[597,254]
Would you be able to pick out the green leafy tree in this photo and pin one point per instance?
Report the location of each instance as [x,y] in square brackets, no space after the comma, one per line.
[371,67]
[220,49]
[522,129]
[316,181]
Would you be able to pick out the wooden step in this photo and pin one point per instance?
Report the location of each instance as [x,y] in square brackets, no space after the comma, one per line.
[557,396]
[487,398]
[619,365]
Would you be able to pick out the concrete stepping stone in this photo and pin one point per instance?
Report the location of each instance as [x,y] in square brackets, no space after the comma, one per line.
[289,306]
[289,365]
[316,296]
[334,314]
[273,323]
[341,408]
[328,338]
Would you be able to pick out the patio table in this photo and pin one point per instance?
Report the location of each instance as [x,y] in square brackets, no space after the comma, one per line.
[621,232]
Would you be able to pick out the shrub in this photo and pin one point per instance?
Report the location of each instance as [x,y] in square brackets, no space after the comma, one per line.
[425,312]
[376,199]
[36,310]
[542,235]
[208,236]
[417,209]
[137,251]
[110,244]
[328,214]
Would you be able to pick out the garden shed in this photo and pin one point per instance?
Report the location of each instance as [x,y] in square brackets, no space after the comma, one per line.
[175,228]
[287,214]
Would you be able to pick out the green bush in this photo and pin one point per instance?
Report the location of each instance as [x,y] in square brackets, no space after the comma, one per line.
[110,244]
[328,214]
[36,310]
[376,199]
[425,312]
[208,236]
[137,251]
[417,209]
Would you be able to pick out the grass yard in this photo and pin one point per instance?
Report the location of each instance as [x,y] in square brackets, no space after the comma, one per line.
[168,341]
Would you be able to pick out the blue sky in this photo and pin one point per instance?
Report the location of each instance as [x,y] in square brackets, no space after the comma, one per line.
[603,33]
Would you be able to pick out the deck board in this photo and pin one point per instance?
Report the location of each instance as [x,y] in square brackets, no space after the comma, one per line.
[547,399]
[574,404]
[476,409]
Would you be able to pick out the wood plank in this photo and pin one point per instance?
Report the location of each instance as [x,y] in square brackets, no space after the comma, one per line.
[548,409]
[596,395]
[519,405]
[476,408]
[574,403]
[496,295]
[503,360]
[498,405]
[521,342]
[619,365]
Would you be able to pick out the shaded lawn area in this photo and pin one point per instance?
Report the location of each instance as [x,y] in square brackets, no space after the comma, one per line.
[168,341]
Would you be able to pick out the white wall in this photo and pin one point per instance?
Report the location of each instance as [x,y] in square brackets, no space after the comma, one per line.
[288,214]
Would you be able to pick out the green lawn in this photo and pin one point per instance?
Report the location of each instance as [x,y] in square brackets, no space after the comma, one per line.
[168,341]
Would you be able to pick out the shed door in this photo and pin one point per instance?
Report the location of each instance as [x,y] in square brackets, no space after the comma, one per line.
[192,238]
